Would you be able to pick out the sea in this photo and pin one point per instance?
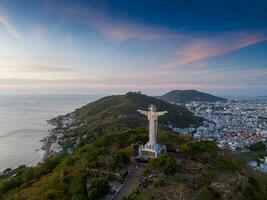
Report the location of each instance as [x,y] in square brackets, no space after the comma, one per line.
[23,124]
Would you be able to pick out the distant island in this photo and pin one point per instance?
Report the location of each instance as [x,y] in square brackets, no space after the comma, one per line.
[186,96]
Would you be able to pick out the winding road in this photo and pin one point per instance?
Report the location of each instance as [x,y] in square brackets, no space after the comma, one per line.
[134,178]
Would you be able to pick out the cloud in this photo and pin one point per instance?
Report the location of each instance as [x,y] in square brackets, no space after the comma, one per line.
[144,80]
[10,29]
[121,31]
[40,67]
[30,84]
[113,28]
[30,64]
[33,69]
[193,47]
[120,28]
[200,49]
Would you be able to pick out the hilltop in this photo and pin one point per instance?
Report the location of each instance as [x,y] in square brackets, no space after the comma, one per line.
[186,96]
[122,110]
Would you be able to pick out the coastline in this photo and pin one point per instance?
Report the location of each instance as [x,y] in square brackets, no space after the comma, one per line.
[45,149]
[33,135]
[52,144]
[51,138]
[47,141]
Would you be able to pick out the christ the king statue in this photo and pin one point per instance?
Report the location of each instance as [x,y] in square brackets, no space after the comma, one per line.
[152,146]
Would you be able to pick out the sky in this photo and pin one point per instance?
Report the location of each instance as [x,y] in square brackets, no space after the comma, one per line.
[115,46]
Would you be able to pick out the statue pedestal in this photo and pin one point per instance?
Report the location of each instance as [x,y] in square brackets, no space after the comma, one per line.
[151,151]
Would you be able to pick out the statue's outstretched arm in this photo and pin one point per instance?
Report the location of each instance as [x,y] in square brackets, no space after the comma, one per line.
[161,113]
[143,112]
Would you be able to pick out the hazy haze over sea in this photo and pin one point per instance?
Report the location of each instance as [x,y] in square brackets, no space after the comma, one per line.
[23,124]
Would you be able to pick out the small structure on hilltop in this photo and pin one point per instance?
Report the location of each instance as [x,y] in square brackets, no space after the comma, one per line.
[152,149]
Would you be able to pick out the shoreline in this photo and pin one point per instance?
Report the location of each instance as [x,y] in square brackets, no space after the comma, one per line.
[47,142]
[52,144]
[50,138]
[49,145]
[45,149]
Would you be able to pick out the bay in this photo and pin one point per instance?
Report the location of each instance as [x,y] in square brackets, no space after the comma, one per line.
[23,123]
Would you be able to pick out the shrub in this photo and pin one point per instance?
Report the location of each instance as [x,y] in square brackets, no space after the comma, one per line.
[166,164]
[199,147]
[77,186]
[159,183]
[121,158]
[98,188]
[259,146]
[51,196]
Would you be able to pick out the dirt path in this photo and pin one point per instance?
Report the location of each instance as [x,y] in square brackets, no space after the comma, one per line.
[134,178]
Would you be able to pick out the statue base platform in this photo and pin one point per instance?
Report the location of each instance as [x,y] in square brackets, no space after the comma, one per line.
[151,151]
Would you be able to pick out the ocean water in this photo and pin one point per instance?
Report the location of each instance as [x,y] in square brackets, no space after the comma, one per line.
[23,124]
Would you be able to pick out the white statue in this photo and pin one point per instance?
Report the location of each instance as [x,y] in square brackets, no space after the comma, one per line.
[152,116]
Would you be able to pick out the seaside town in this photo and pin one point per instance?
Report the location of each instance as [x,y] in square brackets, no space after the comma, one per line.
[234,125]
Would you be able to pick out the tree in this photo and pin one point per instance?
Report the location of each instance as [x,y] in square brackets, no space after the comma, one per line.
[199,147]
[121,157]
[166,164]
[259,146]
[77,188]
[98,188]
[153,165]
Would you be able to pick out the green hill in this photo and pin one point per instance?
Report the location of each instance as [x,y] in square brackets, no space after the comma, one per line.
[186,96]
[121,110]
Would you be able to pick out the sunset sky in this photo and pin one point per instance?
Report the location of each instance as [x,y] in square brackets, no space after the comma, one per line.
[114,46]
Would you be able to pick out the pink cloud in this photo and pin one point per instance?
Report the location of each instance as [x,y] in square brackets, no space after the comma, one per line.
[202,49]
[195,49]
[117,29]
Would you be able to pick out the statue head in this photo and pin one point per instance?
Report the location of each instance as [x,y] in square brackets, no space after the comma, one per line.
[152,108]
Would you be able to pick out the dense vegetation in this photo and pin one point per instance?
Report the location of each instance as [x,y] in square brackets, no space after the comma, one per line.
[209,174]
[186,96]
[110,126]
[259,146]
